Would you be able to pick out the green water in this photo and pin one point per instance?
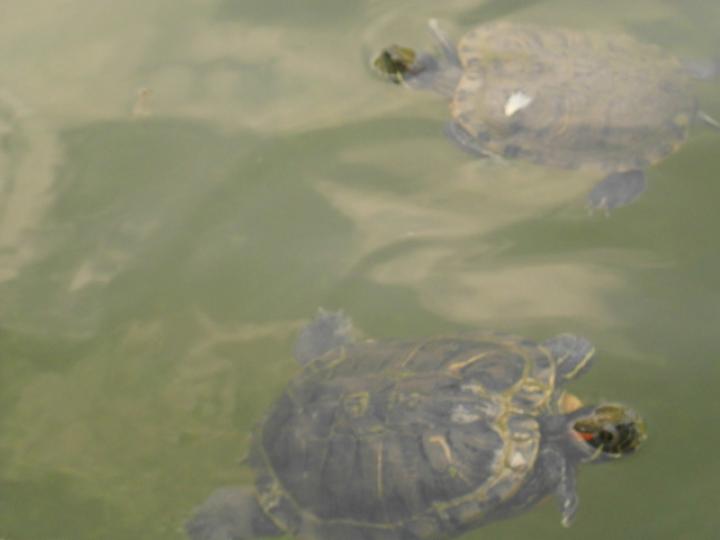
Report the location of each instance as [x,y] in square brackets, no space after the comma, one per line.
[159,253]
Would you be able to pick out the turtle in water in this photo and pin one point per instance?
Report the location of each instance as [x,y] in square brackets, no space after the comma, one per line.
[418,439]
[569,99]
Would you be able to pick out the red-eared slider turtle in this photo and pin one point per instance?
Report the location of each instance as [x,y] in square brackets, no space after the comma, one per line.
[418,439]
[568,99]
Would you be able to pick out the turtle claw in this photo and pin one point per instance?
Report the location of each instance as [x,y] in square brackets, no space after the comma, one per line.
[569,511]
[602,207]
[616,190]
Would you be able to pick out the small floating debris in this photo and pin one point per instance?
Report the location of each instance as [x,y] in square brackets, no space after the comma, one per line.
[141,107]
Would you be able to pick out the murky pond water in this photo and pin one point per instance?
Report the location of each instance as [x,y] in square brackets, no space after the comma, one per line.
[183,183]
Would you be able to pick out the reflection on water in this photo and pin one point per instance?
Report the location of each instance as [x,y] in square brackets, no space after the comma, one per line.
[155,267]
[27,162]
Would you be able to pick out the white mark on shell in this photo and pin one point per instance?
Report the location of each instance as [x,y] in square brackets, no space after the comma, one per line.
[516,102]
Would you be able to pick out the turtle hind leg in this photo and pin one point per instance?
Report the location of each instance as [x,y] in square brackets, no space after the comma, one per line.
[616,190]
[327,331]
[230,513]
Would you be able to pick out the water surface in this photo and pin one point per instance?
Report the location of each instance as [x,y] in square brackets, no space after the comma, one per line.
[183,183]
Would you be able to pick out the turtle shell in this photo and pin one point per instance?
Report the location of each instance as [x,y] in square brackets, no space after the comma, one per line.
[596,101]
[403,439]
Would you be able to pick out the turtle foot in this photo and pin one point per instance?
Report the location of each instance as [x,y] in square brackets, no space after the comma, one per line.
[616,190]
[230,513]
[327,331]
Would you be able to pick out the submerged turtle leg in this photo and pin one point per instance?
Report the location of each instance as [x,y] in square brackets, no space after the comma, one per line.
[573,354]
[230,513]
[464,140]
[561,474]
[616,190]
[567,494]
[448,47]
[327,331]
[703,69]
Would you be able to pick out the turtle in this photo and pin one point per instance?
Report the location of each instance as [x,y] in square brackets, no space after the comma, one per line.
[606,103]
[418,439]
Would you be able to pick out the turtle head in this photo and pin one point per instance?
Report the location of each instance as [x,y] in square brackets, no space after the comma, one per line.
[608,431]
[420,71]
[395,62]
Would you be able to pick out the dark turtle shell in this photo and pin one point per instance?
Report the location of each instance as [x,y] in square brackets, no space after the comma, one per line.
[594,101]
[403,439]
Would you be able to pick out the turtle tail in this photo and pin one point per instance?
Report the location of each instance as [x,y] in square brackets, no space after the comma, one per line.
[230,513]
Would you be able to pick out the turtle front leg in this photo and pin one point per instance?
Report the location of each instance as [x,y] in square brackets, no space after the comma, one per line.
[567,494]
[573,355]
[230,513]
[562,474]
[465,141]
[616,190]
[327,331]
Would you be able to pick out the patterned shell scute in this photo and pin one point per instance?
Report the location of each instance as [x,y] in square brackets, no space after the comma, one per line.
[581,99]
[403,436]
